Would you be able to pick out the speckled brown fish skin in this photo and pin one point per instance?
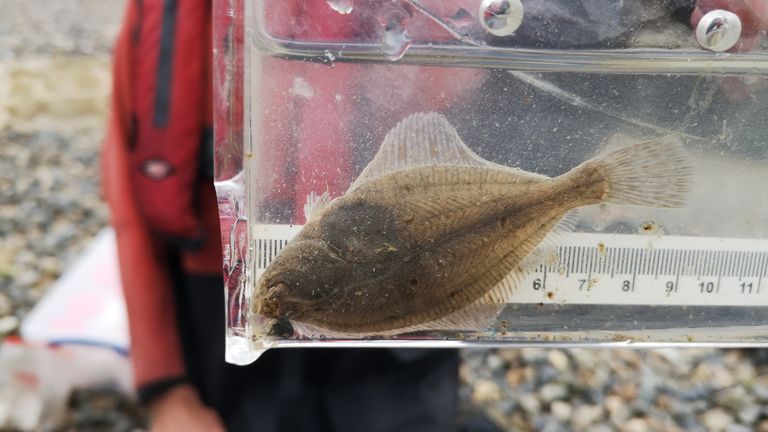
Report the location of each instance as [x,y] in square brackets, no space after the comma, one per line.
[402,250]
[415,245]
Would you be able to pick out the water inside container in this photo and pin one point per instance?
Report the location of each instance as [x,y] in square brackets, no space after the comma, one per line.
[324,87]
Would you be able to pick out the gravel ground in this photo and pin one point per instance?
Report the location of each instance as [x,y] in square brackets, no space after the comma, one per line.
[58,28]
[626,390]
[54,88]
[53,93]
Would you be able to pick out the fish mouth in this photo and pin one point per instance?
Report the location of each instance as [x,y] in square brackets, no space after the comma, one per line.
[279,302]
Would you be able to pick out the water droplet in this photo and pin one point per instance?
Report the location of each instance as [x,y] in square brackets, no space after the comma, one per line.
[395,40]
[501,17]
[343,7]
[718,30]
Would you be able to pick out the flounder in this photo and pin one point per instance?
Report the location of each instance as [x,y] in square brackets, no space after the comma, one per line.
[431,236]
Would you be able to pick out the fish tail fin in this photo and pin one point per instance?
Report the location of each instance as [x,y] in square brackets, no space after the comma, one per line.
[653,173]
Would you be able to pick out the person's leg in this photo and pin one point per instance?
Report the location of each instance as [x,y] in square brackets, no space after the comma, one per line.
[313,390]
[393,390]
[239,394]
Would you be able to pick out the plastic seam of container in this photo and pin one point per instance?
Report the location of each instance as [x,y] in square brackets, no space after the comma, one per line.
[634,60]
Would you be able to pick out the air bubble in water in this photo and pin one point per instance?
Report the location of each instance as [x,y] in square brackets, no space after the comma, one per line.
[501,17]
[395,40]
[343,7]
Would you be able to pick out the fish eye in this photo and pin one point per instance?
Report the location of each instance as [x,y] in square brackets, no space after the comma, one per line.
[281,328]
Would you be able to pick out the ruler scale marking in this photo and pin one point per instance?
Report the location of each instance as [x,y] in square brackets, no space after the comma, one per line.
[721,264]
[748,265]
[650,257]
[761,271]
[647,257]
[755,265]
[695,264]
[622,260]
[579,260]
[699,263]
[635,252]
[624,256]
[263,250]
[731,263]
[678,261]
[576,261]
[742,262]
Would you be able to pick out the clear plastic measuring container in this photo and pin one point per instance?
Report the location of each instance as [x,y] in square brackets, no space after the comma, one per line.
[673,250]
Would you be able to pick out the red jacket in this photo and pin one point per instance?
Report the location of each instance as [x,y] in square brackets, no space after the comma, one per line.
[147,287]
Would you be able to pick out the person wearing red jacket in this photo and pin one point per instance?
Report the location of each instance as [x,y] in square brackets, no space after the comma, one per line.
[157,174]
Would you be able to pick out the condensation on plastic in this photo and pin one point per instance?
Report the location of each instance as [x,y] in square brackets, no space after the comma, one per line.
[306,91]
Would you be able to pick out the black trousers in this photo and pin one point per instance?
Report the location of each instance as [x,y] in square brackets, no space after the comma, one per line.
[295,390]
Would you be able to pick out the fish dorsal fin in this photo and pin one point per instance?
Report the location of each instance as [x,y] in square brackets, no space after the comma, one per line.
[315,204]
[419,140]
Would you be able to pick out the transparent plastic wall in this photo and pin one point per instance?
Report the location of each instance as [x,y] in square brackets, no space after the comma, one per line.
[392,172]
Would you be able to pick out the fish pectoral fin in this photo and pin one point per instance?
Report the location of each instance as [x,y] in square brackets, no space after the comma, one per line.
[476,317]
[316,332]
[504,291]
[546,249]
[315,204]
